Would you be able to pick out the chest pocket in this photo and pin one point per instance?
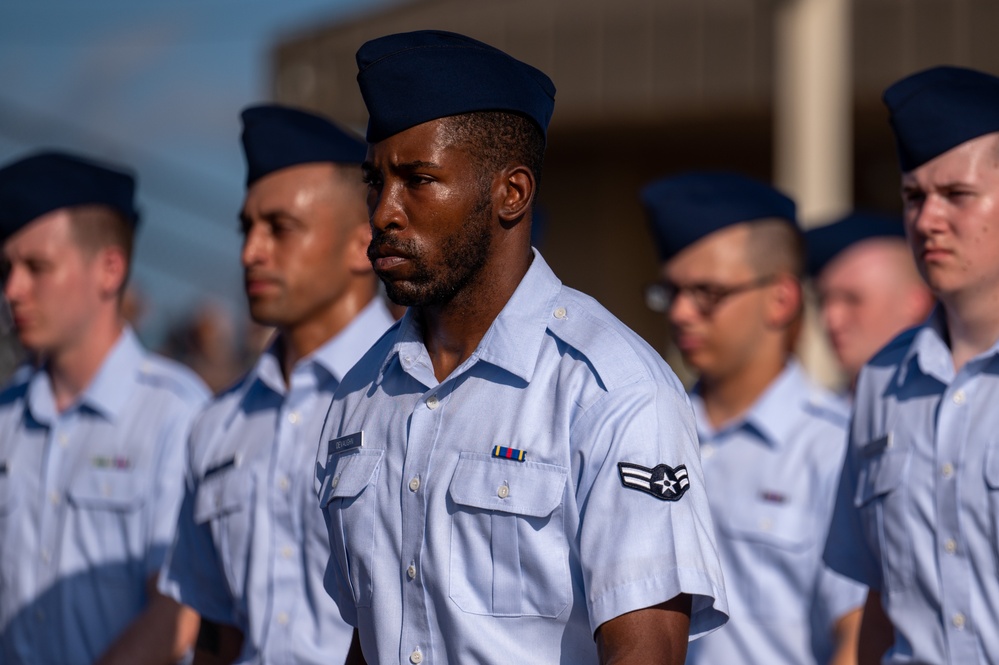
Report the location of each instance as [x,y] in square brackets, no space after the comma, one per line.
[106,521]
[509,550]
[223,503]
[350,507]
[882,499]
[774,535]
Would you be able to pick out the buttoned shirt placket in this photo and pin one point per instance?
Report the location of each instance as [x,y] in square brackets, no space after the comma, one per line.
[416,646]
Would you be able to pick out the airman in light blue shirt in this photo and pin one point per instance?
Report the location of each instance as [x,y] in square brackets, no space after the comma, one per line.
[918,501]
[510,475]
[92,439]
[251,548]
[771,442]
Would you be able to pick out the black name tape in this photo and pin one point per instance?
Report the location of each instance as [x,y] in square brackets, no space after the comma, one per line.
[345,443]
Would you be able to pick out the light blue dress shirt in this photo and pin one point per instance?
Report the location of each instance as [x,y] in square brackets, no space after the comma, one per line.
[772,478]
[88,502]
[917,514]
[446,552]
[252,548]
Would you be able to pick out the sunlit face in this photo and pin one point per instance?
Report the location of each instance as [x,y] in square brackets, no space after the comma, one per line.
[297,225]
[951,209]
[52,285]
[431,215]
[723,342]
[867,296]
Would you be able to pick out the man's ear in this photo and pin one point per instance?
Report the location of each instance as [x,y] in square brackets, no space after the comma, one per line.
[786,301]
[514,194]
[112,267]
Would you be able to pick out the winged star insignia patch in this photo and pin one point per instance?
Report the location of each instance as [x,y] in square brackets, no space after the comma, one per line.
[663,481]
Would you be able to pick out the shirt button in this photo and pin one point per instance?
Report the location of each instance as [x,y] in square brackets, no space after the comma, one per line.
[950,545]
[707,451]
[293,417]
[947,470]
[407,361]
[559,313]
[63,440]
[286,551]
[766,524]
[105,489]
[433,402]
[414,484]
[416,657]
[411,571]
[54,498]
[46,557]
[503,491]
[959,397]
[336,481]
[282,618]
[958,621]
[284,483]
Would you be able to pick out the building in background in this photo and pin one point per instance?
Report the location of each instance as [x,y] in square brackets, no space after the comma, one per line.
[788,91]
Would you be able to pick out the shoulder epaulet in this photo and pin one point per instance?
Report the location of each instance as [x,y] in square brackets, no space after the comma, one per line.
[617,354]
[173,376]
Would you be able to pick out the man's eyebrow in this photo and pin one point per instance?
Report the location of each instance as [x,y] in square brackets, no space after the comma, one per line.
[417,164]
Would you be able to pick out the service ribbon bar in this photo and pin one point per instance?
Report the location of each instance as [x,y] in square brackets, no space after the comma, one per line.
[509,453]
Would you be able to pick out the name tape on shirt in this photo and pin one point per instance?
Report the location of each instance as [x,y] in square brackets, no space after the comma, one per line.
[345,443]
[662,481]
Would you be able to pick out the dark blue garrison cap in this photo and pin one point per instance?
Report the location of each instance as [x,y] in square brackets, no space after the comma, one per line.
[685,208]
[824,243]
[276,137]
[939,109]
[45,181]
[410,78]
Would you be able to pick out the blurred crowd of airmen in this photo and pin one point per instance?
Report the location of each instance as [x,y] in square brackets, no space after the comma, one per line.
[508,473]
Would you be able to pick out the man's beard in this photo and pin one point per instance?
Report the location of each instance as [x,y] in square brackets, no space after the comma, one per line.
[462,256]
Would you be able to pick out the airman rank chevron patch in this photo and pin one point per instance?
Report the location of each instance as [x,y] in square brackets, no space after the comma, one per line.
[509,453]
[662,481]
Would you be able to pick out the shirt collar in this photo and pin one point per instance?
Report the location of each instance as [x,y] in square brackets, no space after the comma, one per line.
[513,340]
[334,358]
[108,391]
[931,353]
[770,416]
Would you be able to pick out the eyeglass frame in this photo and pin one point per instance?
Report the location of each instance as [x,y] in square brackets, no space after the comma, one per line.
[660,296]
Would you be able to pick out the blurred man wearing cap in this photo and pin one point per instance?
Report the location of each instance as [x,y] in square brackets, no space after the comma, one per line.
[868,287]
[771,442]
[919,493]
[251,550]
[92,442]
[510,474]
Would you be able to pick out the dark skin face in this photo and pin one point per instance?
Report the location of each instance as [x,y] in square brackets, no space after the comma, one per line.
[447,237]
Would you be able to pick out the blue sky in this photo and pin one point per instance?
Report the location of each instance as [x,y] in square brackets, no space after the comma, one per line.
[156,85]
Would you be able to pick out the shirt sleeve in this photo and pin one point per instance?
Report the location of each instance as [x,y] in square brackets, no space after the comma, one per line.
[191,573]
[847,550]
[646,533]
[167,486]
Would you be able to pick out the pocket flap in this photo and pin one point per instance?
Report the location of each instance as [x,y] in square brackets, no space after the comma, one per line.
[785,525]
[523,488]
[882,469]
[222,493]
[350,473]
[107,489]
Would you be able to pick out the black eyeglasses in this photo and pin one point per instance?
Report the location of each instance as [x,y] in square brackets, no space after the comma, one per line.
[659,296]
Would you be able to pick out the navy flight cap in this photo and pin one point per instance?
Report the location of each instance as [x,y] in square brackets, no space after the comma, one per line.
[410,78]
[939,109]
[685,208]
[276,137]
[45,181]
[824,243]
